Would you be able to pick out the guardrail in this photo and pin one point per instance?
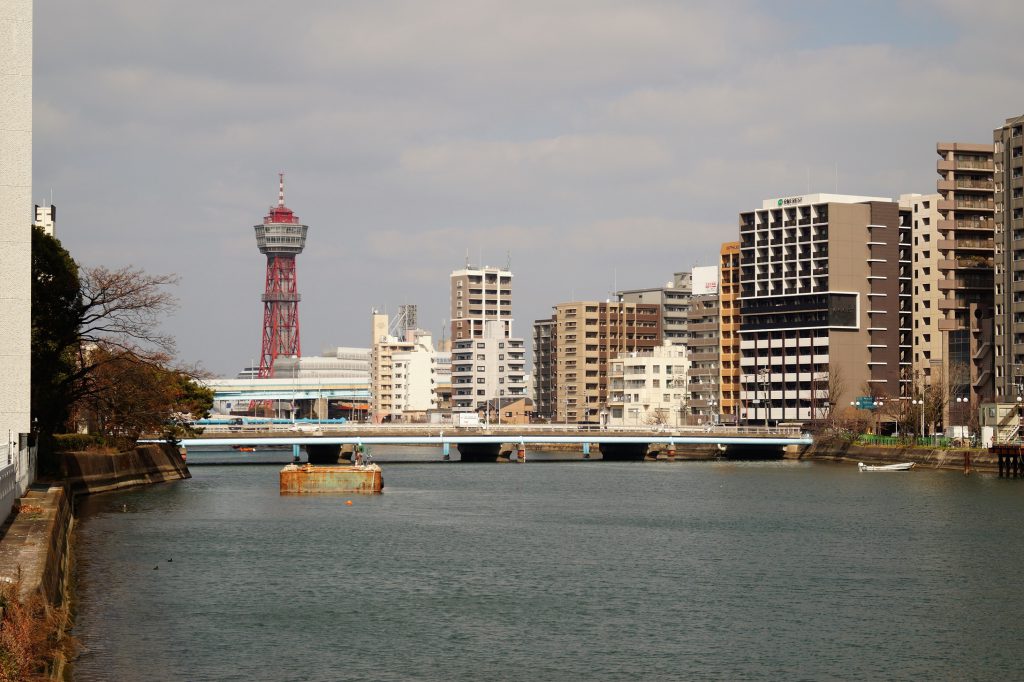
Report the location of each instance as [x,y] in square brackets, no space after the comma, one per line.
[369,429]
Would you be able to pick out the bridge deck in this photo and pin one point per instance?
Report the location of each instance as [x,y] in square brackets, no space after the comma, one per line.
[523,438]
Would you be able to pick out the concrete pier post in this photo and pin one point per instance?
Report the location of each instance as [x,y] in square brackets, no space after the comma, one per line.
[446,448]
[586,450]
[296,449]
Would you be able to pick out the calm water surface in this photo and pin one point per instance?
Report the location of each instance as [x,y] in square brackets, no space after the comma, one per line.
[556,571]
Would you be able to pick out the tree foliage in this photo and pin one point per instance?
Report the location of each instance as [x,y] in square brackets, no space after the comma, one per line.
[99,356]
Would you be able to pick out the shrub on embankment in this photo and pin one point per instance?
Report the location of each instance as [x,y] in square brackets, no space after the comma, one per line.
[32,636]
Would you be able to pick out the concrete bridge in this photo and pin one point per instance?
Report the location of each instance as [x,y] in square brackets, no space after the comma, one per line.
[485,443]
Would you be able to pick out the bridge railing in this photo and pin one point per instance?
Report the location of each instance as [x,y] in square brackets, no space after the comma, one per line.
[573,429]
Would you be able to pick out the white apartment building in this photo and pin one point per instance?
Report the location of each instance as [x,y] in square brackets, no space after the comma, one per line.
[46,219]
[402,377]
[649,387]
[487,367]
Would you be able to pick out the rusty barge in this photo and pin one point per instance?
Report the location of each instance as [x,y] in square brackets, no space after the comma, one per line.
[307,479]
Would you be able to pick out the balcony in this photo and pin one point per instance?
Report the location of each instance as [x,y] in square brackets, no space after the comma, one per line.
[972,204]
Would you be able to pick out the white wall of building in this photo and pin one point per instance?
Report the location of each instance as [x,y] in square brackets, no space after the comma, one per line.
[487,368]
[649,387]
[15,244]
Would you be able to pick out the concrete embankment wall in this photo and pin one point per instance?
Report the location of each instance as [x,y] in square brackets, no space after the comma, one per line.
[90,472]
[34,549]
[937,458]
[34,545]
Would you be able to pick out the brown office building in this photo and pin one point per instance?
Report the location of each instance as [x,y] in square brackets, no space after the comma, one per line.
[586,335]
[967,229]
[544,374]
[823,281]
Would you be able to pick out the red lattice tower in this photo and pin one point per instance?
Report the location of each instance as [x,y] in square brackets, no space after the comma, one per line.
[281,237]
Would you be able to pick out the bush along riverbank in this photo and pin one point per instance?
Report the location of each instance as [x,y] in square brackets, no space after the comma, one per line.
[35,553]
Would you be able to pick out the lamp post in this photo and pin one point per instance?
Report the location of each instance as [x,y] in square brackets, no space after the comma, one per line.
[919,405]
[762,376]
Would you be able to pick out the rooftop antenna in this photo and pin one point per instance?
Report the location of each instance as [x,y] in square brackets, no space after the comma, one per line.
[508,261]
[280,189]
[467,258]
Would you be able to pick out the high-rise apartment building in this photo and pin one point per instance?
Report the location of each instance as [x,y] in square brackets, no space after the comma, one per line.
[674,299]
[823,280]
[402,375]
[587,335]
[544,374]
[927,338]
[480,294]
[703,347]
[488,367]
[967,249]
[1008,329]
[728,331]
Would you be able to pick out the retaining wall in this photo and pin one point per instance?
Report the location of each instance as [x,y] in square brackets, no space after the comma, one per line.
[90,472]
[937,458]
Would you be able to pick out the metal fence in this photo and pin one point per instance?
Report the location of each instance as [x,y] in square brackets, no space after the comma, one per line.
[869,439]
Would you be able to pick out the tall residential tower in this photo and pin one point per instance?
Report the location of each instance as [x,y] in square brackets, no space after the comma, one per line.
[480,294]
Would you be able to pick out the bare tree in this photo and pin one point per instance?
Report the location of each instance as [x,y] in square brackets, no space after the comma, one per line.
[122,309]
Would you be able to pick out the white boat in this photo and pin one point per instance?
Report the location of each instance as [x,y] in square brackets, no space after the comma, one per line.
[902,466]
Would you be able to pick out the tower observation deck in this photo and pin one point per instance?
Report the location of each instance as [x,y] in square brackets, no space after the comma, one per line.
[280,237]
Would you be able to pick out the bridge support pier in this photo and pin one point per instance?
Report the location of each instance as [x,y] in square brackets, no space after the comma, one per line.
[754,452]
[296,452]
[479,452]
[447,451]
[586,450]
[623,452]
[323,454]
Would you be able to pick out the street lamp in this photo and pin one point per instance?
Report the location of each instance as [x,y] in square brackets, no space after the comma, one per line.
[920,405]
[762,376]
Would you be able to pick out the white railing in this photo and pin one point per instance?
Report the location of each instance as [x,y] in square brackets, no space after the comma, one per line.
[429,429]
[8,479]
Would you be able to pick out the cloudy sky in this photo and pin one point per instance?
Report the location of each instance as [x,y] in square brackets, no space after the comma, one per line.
[592,142]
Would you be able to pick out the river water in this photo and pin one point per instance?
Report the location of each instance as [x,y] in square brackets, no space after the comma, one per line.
[556,571]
